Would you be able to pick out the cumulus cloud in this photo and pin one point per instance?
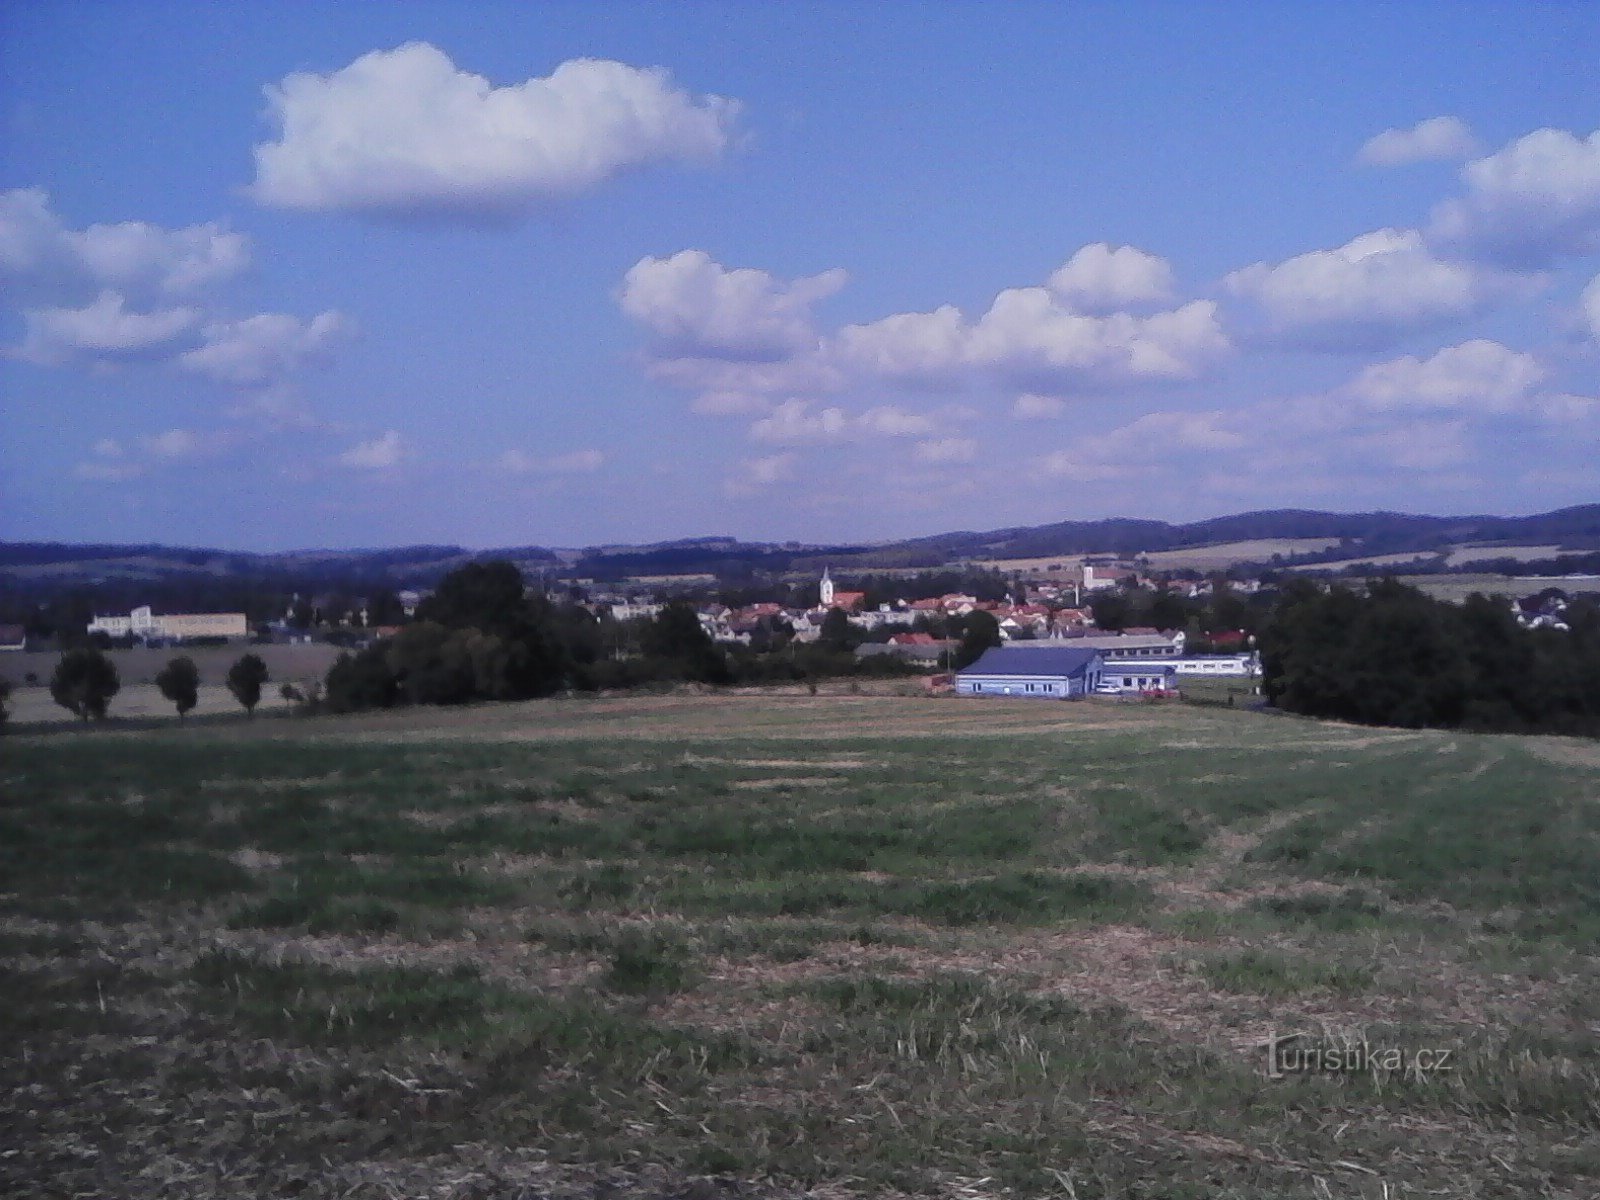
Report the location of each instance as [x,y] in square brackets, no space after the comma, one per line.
[379,454]
[1124,452]
[264,349]
[174,443]
[41,256]
[1368,292]
[698,308]
[1532,202]
[797,422]
[1436,139]
[1028,336]
[1032,407]
[754,474]
[945,450]
[746,342]
[1100,279]
[1591,306]
[1478,375]
[112,462]
[404,131]
[577,462]
[103,332]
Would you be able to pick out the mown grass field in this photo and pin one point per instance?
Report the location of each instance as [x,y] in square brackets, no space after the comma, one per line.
[696,946]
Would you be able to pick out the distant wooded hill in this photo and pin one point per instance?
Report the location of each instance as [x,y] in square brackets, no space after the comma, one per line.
[1360,534]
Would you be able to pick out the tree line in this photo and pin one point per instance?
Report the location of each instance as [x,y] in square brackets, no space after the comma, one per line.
[1392,655]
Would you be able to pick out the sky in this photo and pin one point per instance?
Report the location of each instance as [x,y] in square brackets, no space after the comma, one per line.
[286,275]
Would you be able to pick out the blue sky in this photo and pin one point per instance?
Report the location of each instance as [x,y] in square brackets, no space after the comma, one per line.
[282,275]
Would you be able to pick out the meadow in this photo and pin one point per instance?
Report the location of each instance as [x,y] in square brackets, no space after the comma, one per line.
[760,945]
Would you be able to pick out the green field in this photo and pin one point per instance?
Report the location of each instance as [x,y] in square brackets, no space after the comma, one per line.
[704,946]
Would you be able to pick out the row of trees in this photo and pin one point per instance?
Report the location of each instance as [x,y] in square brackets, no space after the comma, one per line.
[85,682]
[1394,656]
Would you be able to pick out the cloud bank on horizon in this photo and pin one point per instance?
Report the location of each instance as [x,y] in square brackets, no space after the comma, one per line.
[587,306]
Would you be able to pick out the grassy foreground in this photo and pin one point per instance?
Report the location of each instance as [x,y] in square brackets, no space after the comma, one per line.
[761,945]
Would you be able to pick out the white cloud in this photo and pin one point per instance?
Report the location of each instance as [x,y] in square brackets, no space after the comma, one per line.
[1369,291]
[945,450]
[264,349]
[1418,445]
[404,131]
[381,453]
[1433,140]
[174,443]
[1029,337]
[1478,375]
[798,422]
[1126,451]
[1530,203]
[1562,408]
[888,420]
[577,462]
[754,474]
[1100,278]
[39,255]
[1032,407]
[100,471]
[908,346]
[795,422]
[744,341]
[1591,306]
[112,462]
[102,332]
[698,308]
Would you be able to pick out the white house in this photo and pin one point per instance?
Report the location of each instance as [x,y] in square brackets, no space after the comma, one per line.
[1217,665]
[1144,676]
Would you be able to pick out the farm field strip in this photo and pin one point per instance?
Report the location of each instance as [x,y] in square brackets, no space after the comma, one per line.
[862,945]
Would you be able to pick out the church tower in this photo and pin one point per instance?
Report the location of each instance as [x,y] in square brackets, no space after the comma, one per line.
[827,589]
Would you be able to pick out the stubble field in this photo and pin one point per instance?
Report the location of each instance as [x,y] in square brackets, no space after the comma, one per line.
[763,944]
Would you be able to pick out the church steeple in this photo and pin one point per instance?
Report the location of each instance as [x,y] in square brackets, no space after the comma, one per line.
[826,589]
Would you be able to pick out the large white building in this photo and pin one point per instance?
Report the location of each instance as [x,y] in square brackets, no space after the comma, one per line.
[145,625]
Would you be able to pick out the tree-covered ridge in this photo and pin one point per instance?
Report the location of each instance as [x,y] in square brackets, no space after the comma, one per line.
[1394,656]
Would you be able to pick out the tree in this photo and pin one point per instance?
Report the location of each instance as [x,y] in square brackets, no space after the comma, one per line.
[384,608]
[5,694]
[84,682]
[982,632]
[179,682]
[837,633]
[677,635]
[245,678]
[361,681]
[490,597]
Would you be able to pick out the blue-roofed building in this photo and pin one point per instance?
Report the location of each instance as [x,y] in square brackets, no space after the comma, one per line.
[1038,672]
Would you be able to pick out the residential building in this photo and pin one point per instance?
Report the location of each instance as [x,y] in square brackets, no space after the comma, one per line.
[1139,676]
